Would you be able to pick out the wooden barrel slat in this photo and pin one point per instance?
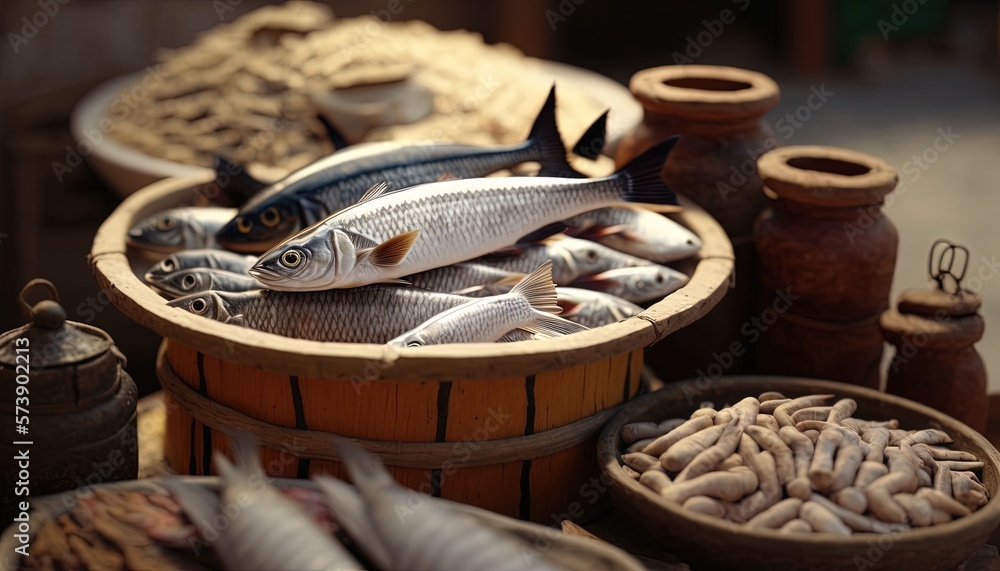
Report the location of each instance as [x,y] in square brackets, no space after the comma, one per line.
[550,496]
[486,411]
[495,488]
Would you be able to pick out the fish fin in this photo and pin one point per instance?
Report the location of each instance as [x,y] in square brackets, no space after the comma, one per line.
[504,253]
[592,141]
[237,320]
[246,457]
[351,512]
[447,176]
[569,308]
[365,469]
[538,288]
[199,504]
[542,233]
[395,281]
[544,137]
[361,242]
[242,186]
[332,132]
[547,326]
[598,231]
[501,286]
[392,251]
[375,191]
[595,283]
[515,336]
[643,179]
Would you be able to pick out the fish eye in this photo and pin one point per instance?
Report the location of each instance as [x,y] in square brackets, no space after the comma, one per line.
[243,225]
[591,256]
[659,279]
[291,258]
[199,306]
[270,217]
[188,282]
[415,343]
[168,264]
[166,224]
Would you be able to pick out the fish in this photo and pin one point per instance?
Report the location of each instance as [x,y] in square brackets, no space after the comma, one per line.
[402,529]
[571,258]
[638,232]
[373,314]
[195,280]
[464,278]
[530,306]
[263,528]
[337,181]
[388,235]
[183,228]
[594,308]
[637,285]
[201,258]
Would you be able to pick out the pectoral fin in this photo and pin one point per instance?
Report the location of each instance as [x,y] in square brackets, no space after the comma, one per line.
[392,251]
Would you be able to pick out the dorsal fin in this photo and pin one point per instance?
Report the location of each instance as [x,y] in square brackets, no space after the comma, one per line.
[375,191]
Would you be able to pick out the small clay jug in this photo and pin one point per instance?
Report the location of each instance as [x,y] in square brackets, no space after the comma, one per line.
[936,363]
[719,113]
[826,244]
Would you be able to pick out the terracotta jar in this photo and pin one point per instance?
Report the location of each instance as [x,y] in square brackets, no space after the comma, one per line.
[935,362]
[826,243]
[77,425]
[719,113]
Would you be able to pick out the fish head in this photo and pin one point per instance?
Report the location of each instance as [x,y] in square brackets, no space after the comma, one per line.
[182,282]
[258,227]
[165,232]
[582,256]
[206,304]
[638,284]
[412,338]
[164,267]
[316,259]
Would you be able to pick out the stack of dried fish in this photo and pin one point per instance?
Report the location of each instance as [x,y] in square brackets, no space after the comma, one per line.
[251,524]
[339,254]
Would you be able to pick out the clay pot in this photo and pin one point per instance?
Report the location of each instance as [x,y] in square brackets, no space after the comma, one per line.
[826,241]
[718,111]
[935,362]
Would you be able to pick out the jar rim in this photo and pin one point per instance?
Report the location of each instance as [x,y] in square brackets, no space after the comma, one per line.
[705,92]
[827,176]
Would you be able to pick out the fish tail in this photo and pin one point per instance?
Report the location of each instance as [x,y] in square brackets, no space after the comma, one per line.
[199,504]
[352,513]
[539,289]
[547,325]
[545,140]
[592,142]
[366,470]
[246,455]
[642,179]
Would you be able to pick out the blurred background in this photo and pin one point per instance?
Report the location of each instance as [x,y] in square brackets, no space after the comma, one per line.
[899,72]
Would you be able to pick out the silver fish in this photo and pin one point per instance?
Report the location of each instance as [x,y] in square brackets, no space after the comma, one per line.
[530,305]
[195,280]
[315,192]
[373,314]
[637,285]
[594,308]
[259,528]
[571,258]
[636,231]
[183,228]
[463,278]
[401,529]
[202,258]
[389,235]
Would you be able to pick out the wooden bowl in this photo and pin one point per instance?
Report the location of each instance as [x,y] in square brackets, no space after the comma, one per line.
[509,427]
[569,552]
[704,540]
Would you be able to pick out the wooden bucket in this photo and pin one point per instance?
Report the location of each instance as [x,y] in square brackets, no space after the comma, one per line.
[508,427]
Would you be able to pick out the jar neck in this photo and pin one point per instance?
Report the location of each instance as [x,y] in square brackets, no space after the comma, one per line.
[793,207]
[682,125]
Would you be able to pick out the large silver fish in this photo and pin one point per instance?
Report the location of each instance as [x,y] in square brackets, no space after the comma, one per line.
[202,258]
[571,258]
[636,231]
[530,306]
[339,180]
[373,314]
[258,527]
[182,228]
[594,308]
[637,285]
[464,278]
[195,280]
[390,235]
[402,529]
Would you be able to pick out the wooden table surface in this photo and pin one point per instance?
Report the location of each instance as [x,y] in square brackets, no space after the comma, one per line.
[609,526]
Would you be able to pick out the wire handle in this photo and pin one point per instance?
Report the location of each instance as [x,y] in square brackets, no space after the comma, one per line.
[33,284]
[946,259]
